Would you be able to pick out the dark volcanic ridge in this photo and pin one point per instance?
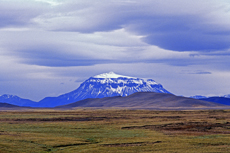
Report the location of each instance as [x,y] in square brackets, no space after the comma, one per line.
[144,100]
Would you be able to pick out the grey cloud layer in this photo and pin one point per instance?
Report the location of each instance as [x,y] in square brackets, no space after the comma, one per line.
[74,49]
[82,33]
[173,25]
[15,13]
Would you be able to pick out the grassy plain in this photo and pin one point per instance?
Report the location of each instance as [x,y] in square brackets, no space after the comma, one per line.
[114,131]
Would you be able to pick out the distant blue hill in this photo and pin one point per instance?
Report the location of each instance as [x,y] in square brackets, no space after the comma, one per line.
[15,100]
[220,100]
[7,105]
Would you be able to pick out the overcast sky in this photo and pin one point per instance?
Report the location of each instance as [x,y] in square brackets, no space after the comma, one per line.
[49,47]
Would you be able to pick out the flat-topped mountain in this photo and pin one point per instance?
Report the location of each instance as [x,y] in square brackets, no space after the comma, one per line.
[105,85]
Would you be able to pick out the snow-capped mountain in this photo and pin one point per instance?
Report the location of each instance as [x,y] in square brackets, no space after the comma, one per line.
[198,97]
[15,100]
[217,99]
[105,85]
[226,96]
[202,97]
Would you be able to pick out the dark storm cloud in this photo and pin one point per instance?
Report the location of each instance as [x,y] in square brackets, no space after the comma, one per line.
[180,33]
[203,72]
[200,72]
[189,41]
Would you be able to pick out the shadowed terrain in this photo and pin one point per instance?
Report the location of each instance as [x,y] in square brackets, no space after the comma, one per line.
[8,105]
[145,100]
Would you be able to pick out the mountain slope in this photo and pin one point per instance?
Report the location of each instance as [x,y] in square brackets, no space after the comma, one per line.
[105,85]
[144,100]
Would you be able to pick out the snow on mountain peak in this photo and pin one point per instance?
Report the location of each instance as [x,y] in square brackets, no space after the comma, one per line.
[227,96]
[111,75]
[8,96]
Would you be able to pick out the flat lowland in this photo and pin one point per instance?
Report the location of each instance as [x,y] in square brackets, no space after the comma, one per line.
[114,131]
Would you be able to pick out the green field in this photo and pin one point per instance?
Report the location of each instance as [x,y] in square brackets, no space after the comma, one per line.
[114,131]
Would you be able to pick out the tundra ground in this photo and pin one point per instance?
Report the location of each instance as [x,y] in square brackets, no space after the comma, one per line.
[114,131]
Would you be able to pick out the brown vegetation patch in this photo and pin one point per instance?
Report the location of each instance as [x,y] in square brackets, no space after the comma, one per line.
[167,117]
[130,144]
[69,145]
[204,127]
[58,119]
[7,133]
